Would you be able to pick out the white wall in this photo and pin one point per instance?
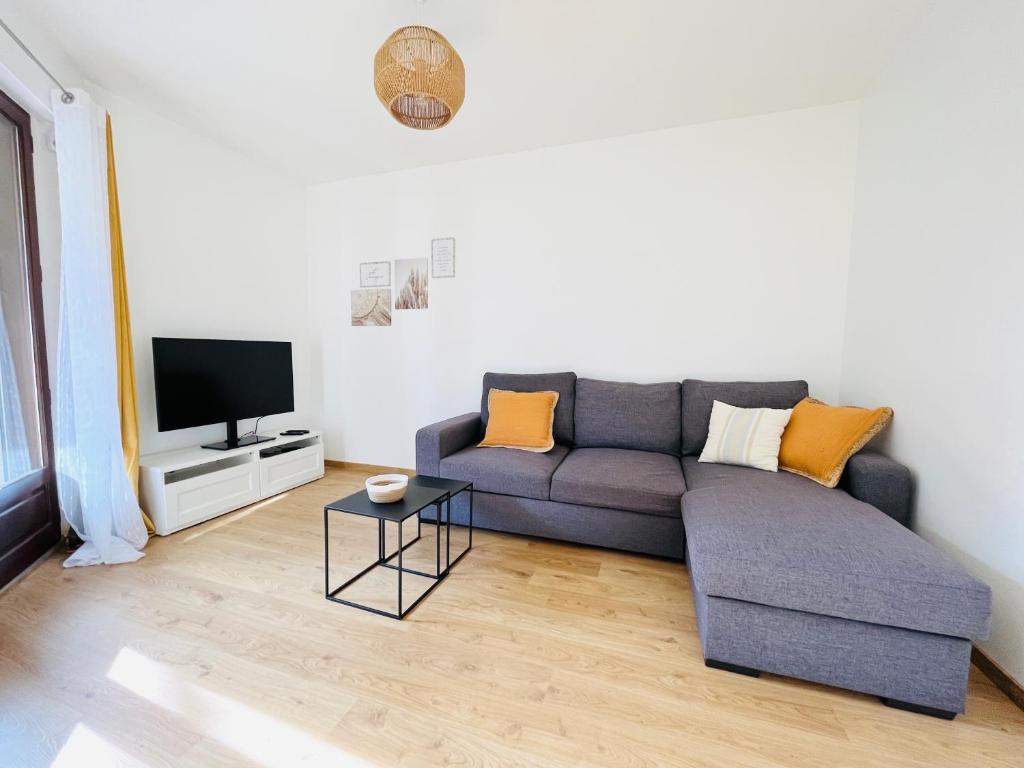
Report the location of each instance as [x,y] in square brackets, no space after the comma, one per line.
[718,250]
[22,78]
[213,248]
[935,311]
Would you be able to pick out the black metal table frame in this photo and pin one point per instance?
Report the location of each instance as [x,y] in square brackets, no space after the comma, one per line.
[384,559]
[448,523]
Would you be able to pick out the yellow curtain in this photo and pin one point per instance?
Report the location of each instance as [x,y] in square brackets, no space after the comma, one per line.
[123,333]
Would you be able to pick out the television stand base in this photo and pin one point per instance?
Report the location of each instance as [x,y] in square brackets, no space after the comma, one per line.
[241,442]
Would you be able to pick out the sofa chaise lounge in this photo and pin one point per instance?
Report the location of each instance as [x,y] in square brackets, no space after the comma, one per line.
[788,577]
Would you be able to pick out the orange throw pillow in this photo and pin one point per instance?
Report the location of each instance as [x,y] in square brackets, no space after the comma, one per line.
[522,420]
[821,438]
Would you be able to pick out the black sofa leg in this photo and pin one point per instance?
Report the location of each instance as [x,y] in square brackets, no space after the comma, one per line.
[918,709]
[724,665]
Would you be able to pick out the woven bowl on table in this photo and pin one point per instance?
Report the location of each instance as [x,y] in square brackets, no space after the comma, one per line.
[386,489]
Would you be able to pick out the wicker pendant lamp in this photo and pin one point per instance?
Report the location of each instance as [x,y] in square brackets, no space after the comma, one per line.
[419,77]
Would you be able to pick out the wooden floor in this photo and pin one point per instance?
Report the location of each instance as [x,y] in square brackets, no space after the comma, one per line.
[218,649]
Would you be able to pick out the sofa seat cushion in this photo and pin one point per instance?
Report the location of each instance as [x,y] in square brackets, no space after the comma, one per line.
[710,475]
[785,541]
[505,470]
[618,478]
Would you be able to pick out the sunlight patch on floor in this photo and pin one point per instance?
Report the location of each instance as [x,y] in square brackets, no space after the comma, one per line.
[229,519]
[261,738]
[85,747]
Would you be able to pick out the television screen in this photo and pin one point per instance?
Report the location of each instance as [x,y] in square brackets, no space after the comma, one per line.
[208,381]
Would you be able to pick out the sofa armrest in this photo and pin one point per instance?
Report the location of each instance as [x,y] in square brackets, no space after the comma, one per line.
[444,438]
[881,482]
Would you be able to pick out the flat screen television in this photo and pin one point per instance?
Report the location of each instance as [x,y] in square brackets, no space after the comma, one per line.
[208,381]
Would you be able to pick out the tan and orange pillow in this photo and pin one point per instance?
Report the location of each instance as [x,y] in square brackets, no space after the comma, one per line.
[820,438]
[521,420]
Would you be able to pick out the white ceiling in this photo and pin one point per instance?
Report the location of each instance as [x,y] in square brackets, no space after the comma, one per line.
[290,82]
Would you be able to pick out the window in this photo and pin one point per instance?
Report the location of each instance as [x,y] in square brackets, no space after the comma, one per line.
[20,438]
[29,518]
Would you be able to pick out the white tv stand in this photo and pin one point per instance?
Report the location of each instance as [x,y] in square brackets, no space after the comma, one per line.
[181,488]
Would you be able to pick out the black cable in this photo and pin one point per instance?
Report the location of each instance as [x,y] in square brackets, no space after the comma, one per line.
[253,430]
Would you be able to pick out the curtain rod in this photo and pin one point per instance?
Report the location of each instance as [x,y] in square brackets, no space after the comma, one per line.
[65,95]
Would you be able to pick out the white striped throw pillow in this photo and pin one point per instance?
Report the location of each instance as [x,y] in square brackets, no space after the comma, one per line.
[749,437]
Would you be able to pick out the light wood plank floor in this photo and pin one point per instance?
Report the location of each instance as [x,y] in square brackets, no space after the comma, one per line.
[218,649]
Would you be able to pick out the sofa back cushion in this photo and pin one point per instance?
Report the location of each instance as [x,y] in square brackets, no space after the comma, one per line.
[699,396]
[615,414]
[562,383]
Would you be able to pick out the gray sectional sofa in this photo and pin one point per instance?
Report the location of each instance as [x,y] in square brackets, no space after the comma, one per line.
[788,577]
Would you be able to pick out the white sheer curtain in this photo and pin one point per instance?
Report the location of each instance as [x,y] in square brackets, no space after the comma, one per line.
[14,458]
[95,493]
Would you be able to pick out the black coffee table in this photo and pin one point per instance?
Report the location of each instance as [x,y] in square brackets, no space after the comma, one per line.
[422,493]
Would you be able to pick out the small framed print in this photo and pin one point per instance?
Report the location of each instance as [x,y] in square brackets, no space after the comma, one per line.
[375,274]
[371,306]
[442,257]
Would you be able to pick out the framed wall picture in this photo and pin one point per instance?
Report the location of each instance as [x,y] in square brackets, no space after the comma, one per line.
[371,306]
[442,257]
[375,274]
[411,284]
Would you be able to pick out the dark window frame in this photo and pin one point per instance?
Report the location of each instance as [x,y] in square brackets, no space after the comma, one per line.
[36,492]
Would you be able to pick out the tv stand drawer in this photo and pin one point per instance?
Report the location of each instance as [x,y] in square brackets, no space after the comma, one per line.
[287,470]
[208,495]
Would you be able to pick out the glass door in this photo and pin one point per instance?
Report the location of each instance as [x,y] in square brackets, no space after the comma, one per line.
[29,520]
